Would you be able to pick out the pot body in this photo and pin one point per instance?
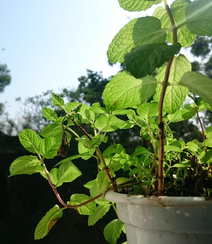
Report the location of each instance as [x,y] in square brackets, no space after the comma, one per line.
[164,220]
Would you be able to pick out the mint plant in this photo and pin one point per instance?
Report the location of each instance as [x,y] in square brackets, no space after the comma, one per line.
[150,94]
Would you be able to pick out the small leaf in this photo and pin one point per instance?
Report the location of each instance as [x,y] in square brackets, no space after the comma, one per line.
[124,91]
[49,114]
[99,212]
[84,149]
[96,107]
[26,165]
[102,181]
[198,15]
[86,209]
[47,222]
[57,100]
[137,5]
[30,140]
[87,114]
[199,84]
[147,110]
[72,106]
[144,30]
[112,231]
[67,172]
[144,59]
[186,113]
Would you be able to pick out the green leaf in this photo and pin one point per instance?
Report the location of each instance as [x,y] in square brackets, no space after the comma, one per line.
[175,94]
[112,231]
[124,91]
[72,106]
[187,112]
[96,107]
[208,132]
[102,181]
[137,5]
[26,165]
[57,100]
[207,142]
[184,36]
[30,140]
[87,115]
[52,130]
[48,147]
[67,172]
[144,30]
[99,212]
[198,15]
[147,110]
[83,149]
[86,209]
[194,146]
[144,59]
[199,84]
[114,123]
[47,222]
[208,157]
[49,114]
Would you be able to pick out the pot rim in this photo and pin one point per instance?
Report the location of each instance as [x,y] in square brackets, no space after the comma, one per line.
[165,201]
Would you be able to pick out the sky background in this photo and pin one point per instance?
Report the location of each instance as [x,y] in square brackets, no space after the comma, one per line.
[49,44]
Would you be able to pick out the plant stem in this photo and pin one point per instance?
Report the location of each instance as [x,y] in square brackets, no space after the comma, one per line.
[160,116]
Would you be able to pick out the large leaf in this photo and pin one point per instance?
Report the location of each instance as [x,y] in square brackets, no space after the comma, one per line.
[198,15]
[147,110]
[175,94]
[99,212]
[184,36]
[30,140]
[125,91]
[113,230]
[137,5]
[144,59]
[86,209]
[199,84]
[47,222]
[102,181]
[67,172]
[26,165]
[139,31]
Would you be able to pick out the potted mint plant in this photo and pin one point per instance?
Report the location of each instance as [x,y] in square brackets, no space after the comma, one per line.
[167,180]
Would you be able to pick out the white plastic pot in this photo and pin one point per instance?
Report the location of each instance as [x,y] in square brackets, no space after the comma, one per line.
[164,220]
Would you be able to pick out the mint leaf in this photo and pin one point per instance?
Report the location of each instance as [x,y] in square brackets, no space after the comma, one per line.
[30,140]
[144,59]
[57,100]
[102,181]
[67,172]
[52,130]
[48,147]
[147,110]
[49,114]
[112,231]
[47,222]
[137,5]
[124,91]
[99,212]
[199,84]
[139,31]
[175,94]
[26,165]
[86,209]
[84,149]
[184,36]
[198,15]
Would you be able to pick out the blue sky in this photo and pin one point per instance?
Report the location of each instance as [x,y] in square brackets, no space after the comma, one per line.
[49,44]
